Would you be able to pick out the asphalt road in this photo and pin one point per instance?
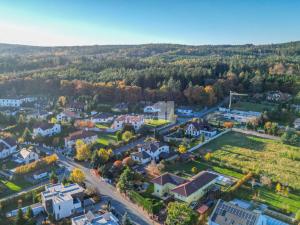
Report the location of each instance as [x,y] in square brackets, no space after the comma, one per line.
[108,192]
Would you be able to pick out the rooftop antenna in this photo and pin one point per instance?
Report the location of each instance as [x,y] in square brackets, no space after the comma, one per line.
[232,93]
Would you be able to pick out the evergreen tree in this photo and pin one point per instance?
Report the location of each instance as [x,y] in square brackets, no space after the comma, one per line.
[126,220]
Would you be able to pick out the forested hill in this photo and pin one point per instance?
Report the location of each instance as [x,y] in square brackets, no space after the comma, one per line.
[161,67]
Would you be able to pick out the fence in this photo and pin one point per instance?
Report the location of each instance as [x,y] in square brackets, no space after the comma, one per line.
[207,141]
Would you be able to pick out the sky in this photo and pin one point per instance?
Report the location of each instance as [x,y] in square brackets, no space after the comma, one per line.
[193,22]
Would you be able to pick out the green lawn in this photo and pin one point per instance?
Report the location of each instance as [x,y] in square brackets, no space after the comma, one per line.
[186,167]
[102,126]
[266,195]
[107,138]
[156,123]
[278,161]
[249,106]
[13,186]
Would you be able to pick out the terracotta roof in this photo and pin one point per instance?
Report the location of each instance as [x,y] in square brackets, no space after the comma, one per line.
[195,184]
[168,178]
[80,135]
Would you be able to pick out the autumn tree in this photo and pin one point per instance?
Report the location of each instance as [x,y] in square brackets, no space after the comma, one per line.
[180,214]
[77,176]
[182,149]
[83,151]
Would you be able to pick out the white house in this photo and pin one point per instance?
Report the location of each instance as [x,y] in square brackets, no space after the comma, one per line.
[26,155]
[185,111]
[297,123]
[87,137]
[46,129]
[195,129]
[151,109]
[95,219]
[62,201]
[239,116]
[150,150]
[102,118]
[121,121]
[67,116]
[15,102]
[8,146]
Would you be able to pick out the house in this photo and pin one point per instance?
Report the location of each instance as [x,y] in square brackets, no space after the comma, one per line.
[75,107]
[26,156]
[150,150]
[135,121]
[102,118]
[277,96]
[37,208]
[121,107]
[8,146]
[15,102]
[46,129]
[297,123]
[185,111]
[196,129]
[62,201]
[195,188]
[235,214]
[151,109]
[87,137]
[239,116]
[185,190]
[38,115]
[67,116]
[95,219]
[164,183]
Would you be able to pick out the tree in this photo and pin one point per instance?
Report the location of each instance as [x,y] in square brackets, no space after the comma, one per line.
[127,135]
[202,138]
[278,187]
[208,156]
[83,151]
[119,135]
[26,136]
[53,178]
[20,220]
[62,100]
[125,180]
[194,170]
[104,155]
[77,176]
[126,220]
[180,214]
[182,149]
[228,125]
[29,213]
[290,137]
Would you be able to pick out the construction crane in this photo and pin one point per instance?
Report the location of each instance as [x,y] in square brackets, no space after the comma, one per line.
[232,93]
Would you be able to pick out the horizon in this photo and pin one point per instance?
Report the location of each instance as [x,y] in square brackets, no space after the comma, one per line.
[230,22]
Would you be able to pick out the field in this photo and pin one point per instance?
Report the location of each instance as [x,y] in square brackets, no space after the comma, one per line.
[156,123]
[249,106]
[278,161]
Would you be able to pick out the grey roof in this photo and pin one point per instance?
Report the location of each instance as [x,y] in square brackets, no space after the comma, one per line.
[168,178]
[229,213]
[141,155]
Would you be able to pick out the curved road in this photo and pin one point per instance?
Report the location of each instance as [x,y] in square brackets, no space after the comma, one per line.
[108,192]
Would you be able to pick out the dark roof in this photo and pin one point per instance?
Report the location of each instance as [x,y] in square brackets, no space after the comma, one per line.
[80,135]
[151,145]
[44,126]
[10,141]
[202,125]
[102,116]
[76,105]
[141,155]
[226,212]
[168,178]
[195,184]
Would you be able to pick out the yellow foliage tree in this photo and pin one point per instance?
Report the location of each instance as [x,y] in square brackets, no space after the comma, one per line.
[194,170]
[208,156]
[83,151]
[182,149]
[278,187]
[77,176]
